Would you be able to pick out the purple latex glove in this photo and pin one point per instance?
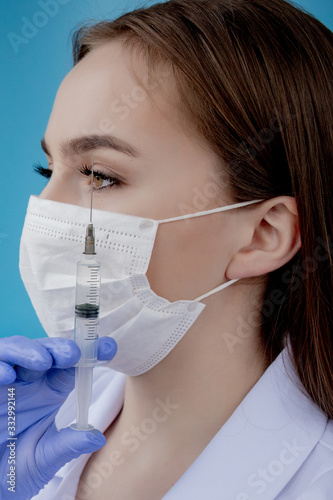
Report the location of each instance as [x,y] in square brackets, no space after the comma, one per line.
[42,374]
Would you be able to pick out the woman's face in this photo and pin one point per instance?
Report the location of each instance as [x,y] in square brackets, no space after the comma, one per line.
[164,171]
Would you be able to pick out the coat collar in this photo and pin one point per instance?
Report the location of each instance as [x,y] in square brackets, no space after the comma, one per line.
[261,446]
[253,456]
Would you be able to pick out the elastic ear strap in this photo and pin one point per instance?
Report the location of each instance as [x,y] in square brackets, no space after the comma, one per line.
[212,211]
[217,289]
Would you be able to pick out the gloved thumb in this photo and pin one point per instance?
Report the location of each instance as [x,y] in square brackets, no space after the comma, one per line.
[56,448]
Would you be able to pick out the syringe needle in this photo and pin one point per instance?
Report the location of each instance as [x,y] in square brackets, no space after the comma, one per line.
[92,182]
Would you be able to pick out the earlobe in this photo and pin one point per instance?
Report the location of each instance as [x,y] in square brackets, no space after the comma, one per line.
[274,238]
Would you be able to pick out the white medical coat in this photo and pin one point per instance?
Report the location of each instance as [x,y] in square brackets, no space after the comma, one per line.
[276,445]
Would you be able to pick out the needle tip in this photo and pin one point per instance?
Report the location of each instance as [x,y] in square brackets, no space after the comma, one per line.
[92,182]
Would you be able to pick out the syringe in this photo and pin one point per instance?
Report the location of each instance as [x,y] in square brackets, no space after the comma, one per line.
[88,281]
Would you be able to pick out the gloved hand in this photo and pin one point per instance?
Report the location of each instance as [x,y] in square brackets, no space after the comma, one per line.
[42,374]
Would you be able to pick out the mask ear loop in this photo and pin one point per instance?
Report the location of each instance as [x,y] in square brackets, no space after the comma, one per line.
[217,289]
[212,211]
[207,212]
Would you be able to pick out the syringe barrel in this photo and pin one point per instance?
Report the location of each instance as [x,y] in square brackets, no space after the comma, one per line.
[88,284]
[88,281]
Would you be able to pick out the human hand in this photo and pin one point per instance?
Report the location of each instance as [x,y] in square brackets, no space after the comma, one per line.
[41,373]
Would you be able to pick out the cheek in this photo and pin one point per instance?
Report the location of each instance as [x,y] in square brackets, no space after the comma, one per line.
[188,259]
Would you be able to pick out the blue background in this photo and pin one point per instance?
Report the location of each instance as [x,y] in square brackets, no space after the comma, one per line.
[30,78]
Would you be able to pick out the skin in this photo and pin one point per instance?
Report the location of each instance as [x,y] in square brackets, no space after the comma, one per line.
[202,374]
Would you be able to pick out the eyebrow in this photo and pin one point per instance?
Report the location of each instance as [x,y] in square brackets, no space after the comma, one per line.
[84,144]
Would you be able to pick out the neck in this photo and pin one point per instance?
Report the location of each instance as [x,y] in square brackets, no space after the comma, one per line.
[204,378]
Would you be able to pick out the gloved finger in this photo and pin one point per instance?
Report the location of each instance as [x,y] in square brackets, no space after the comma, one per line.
[25,352]
[65,352]
[25,375]
[61,381]
[7,374]
[56,448]
[107,348]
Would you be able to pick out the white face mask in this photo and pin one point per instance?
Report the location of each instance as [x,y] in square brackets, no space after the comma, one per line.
[145,326]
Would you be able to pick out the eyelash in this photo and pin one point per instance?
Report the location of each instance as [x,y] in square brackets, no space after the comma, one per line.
[85,170]
[39,169]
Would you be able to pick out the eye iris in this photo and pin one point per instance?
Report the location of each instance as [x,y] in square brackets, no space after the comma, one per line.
[98,180]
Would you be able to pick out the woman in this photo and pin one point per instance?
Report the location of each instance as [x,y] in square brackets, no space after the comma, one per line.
[188,106]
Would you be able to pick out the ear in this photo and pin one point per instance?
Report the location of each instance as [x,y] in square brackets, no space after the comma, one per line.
[273,238]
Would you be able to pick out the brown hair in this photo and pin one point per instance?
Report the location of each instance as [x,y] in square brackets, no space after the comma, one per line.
[255,78]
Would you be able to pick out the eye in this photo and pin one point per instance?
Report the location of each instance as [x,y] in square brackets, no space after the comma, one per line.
[101,180]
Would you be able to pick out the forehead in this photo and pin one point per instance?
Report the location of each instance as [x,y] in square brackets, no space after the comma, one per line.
[101,94]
